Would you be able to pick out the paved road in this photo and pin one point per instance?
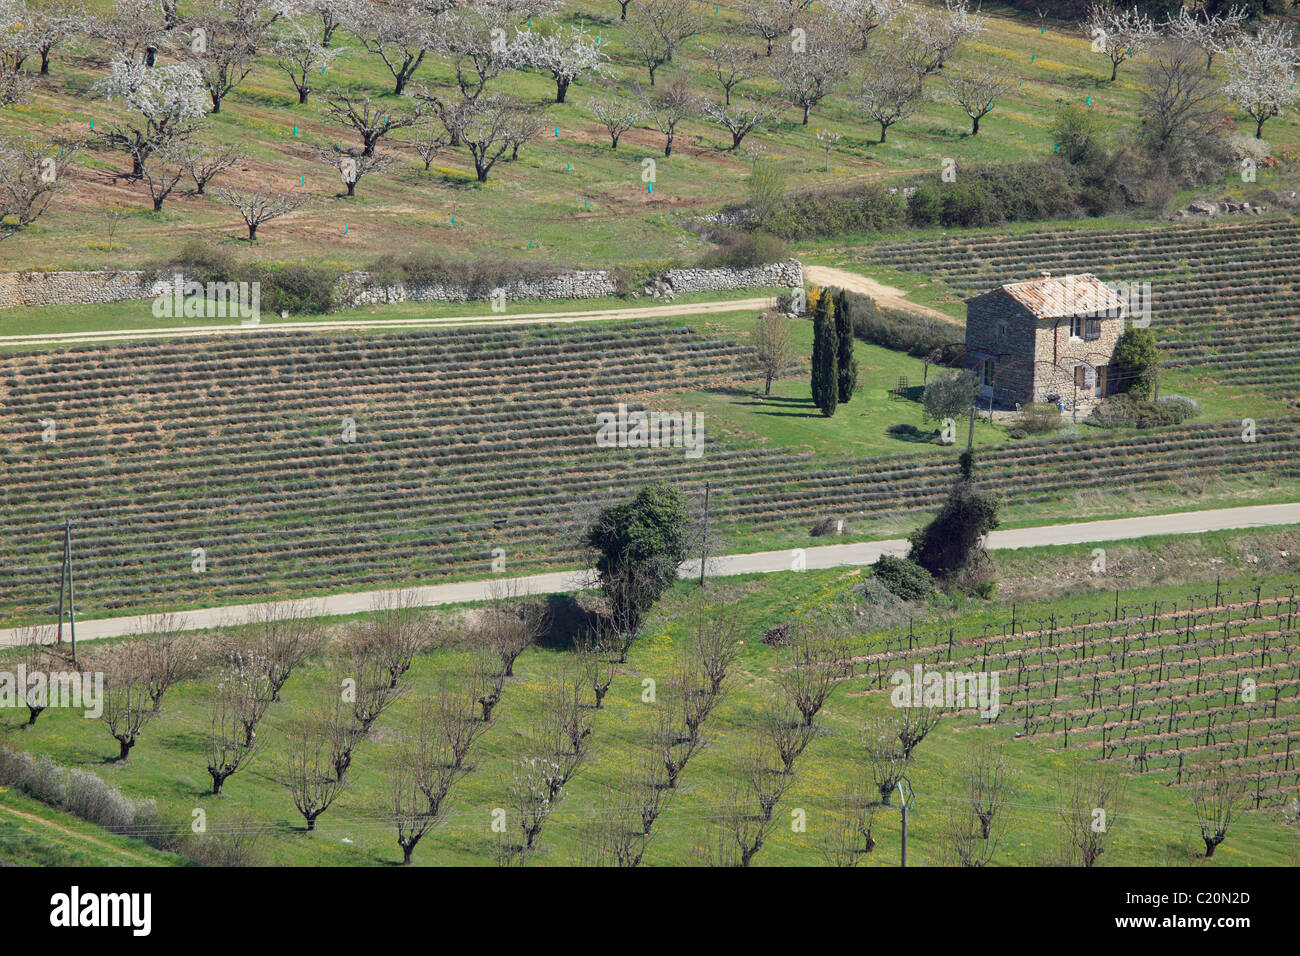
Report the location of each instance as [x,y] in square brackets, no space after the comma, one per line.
[826,556]
[354,324]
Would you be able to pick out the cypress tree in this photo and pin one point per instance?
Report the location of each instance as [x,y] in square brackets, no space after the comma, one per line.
[825,374]
[847,364]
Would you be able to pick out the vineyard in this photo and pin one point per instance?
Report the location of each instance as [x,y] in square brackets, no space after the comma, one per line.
[1223,297]
[298,462]
[1160,687]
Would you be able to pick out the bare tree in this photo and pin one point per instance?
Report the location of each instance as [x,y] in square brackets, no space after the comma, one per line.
[169,656]
[988,784]
[52,25]
[302,57]
[808,72]
[307,771]
[741,118]
[788,735]
[372,121]
[31,175]
[244,681]
[889,92]
[35,658]
[409,807]
[960,842]
[352,165]
[847,836]
[487,680]
[1218,793]
[657,30]
[976,88]
[715,643]
[400,37]
[283,638]
[397,630]
[1179,114]
[732,64]
[487,131]
[773,341]
[332,15]
[814,665]
[1091,800]
[772,18]
[427,143]
[616,114]
[258,206]
[1117,33]
[596,662]
[225,39]
[668,108]
[127,706]
[230,745]
[369,669]
[205,164]
[885,758]
[161,170]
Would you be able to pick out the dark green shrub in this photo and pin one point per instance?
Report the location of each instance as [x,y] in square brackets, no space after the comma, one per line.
[902,331]
[1036,418]
[296,289]
[903,579]
[1127,411]
[817,213]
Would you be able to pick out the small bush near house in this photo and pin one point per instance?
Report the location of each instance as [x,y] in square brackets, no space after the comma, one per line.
[903,579]
[1038,418]
[1126,411]
[916,335]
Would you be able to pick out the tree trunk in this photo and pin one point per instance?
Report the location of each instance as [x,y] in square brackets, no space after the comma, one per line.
[1114,70]
[401,85]
[407,849]
[767,386]
[1211,844]
[157,207]
[303,93]
[975,126]
[352,187]
[33,713]
[216,103]
[884,127]
[45,63]
[218,779]
[561,90]
[1259,129]
[252,232]
[311,820]
[805,114]
[124,748]
[668,147]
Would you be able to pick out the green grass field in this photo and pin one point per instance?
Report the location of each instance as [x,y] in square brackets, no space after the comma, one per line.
[1156,827]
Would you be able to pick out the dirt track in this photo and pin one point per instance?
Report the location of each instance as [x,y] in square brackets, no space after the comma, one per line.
[885,295]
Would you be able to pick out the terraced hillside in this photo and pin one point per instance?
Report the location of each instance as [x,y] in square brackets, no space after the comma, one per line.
[465,441]
[1225,297]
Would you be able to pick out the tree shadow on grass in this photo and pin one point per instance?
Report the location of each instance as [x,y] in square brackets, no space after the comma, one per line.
[570,623]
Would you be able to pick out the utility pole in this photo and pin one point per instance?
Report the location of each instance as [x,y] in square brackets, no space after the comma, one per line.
[970,435]
[65,573]
[905,801]
[704,538]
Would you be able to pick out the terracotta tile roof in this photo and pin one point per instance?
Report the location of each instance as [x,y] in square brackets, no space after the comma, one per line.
[1060,296]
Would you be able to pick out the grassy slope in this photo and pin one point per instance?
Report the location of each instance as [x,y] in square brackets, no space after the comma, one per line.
[33,834]
[568,198]
[1157,829]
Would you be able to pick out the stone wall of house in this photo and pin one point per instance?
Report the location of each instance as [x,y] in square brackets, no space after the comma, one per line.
[998,325]
[102,286]
[1070,351]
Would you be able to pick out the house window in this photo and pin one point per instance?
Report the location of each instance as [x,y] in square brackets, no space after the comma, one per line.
[1082,327]
[1084,377]
[990,369]
[1002,330]
[1076,327]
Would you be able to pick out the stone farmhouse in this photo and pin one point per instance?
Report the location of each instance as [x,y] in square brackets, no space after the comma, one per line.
[1046,340]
